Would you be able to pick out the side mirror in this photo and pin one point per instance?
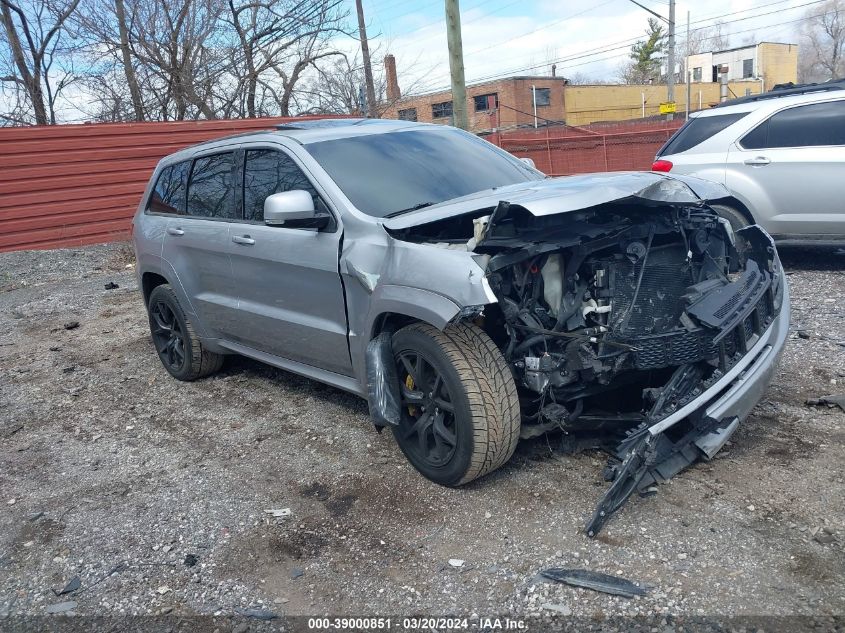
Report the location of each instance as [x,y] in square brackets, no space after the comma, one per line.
[529,162]
[286,206]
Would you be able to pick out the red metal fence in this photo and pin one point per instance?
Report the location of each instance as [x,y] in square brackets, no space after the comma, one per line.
[68,185]
[576,150]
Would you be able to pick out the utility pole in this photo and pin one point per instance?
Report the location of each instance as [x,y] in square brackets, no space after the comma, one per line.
[456,64]
[687,69]
[670,78]
[368,69]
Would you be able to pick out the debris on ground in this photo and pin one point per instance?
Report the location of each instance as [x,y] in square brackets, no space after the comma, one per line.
[61,607]
[111,286]
[828,401]
[71,325]
[72,585]
[596,581]
[257,614]
[191,560]
[280,513]
[456,562]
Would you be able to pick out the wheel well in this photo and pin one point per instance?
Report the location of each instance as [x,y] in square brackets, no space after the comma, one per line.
[148,283]
[391,321]
[739,206]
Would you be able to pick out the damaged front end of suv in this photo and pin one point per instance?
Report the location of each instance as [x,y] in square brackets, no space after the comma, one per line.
[631,316]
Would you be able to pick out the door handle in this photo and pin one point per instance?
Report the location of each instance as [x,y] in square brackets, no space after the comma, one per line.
[759,161]
[174,231]
[243,239]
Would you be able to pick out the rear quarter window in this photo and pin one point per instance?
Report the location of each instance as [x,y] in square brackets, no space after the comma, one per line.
[168,195]
[697,130]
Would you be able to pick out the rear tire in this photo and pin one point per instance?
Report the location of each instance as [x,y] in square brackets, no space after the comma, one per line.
[460,411]
[177,344]
[736,217]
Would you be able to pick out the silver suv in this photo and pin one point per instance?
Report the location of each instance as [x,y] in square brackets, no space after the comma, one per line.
[470,299]
[782,156]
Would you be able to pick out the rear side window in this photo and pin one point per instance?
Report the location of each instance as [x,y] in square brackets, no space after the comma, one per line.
[168,195]
[267,172]
[803,126]
[697,130]
[211,190]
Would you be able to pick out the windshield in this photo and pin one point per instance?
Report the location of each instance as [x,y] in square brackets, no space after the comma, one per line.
[398,172]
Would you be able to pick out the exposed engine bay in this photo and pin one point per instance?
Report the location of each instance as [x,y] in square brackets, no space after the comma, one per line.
[613,318]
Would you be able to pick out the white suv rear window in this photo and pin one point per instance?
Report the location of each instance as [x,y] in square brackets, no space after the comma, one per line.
[698,130]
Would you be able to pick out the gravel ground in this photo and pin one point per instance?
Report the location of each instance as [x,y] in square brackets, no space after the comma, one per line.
[154,492]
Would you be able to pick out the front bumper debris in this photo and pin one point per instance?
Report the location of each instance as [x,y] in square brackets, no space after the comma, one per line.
[663,446]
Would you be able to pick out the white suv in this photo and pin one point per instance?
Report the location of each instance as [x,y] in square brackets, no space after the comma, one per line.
[781,154]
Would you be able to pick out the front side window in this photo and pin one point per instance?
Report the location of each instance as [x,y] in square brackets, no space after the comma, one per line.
[211,189]
[268,171]
[441,110]
[392,173]
[696,74]
[543,96]
[697,130]
[810,125]
[168,195]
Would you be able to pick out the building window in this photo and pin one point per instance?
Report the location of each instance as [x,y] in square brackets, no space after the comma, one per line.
[543,96]
[696,74]
[441,110]
[409,114]
[747,68]
[485,103]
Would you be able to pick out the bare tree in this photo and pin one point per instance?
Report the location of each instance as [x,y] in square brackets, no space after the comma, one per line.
[277,42]
[338,87]
[822,50]
[33,32]
[703,40]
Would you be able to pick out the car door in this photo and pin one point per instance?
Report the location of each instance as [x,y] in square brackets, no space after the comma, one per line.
[196,240]
[289,288]
[791,167]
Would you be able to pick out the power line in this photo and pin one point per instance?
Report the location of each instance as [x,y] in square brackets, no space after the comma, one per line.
[624,44]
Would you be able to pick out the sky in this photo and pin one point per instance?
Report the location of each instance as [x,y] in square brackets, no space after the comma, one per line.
[591,39]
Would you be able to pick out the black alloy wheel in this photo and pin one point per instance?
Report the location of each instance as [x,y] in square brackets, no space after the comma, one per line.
[168,338]
[427,427]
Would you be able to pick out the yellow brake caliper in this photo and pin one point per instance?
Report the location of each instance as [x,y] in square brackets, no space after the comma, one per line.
[409,383]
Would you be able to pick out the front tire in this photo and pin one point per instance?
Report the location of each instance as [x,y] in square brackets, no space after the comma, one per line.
[460,411]
[177,344]
[737,218]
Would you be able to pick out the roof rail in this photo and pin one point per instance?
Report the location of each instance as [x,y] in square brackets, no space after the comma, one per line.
[311,124]
[787,90]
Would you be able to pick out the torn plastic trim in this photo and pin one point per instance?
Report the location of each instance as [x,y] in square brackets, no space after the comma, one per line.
[383,394]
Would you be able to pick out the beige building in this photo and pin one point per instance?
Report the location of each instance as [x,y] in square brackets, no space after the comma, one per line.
[770,63]
[542,100]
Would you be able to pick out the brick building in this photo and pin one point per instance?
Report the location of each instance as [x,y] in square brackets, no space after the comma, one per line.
[503,103]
